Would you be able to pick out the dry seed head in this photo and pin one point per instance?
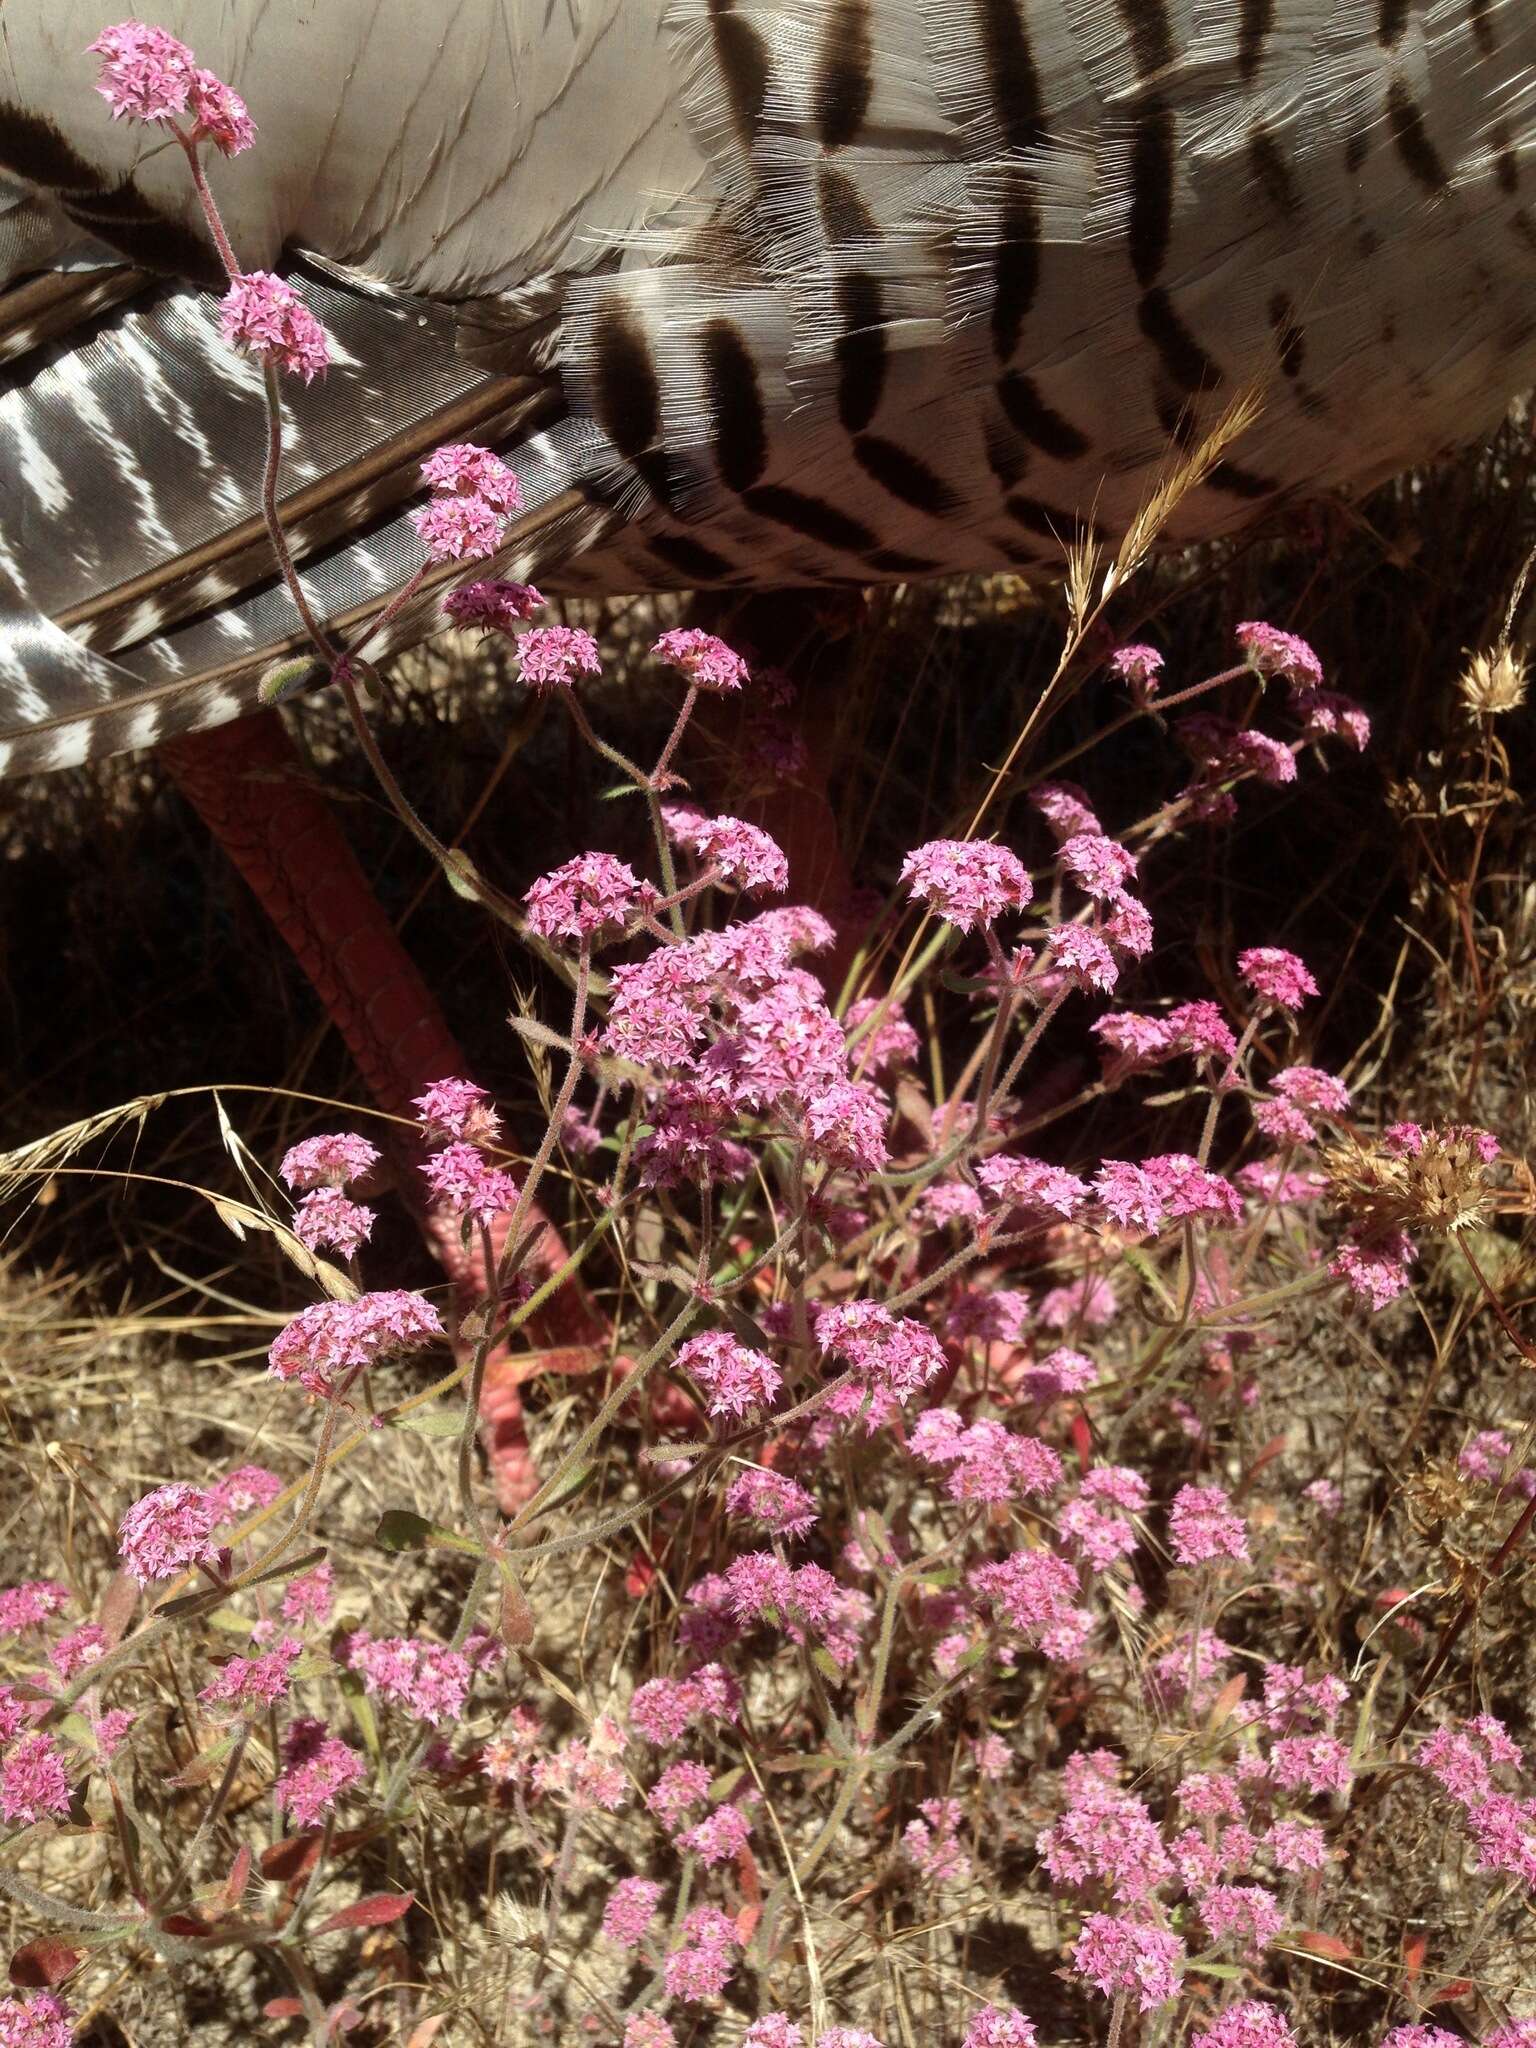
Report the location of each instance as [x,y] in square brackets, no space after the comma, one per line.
[1493,683]
[1442,1187]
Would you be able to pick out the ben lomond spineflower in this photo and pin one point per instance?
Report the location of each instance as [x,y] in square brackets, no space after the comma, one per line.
[42,2020]
[967,882]
[147,74]
[736,1380]
[332,1339]
[593,896]
[551,657]
[702,658]
[462,470]
[466,1184]
[1276,975]
[328,1161]
[168,1531]
[493,604]
[268,319]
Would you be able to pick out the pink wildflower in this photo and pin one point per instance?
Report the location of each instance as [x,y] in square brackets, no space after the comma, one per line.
[249,1684]
[327,1220]
[1203,1526]
[845,1126]
[892,1355]
[1083,957]
[968,882]
[1279,977]
[40,2020]
[1375,1269]
[1244,1914]
[168,1531]
[630,1909]
[493,604]
[774,2030]
[33,1783]
[1200,1028]
[1311,1763]
[1102,866]
[82,1646]
[933,1844]
[648,2030]
[778,1504]
[745,856]
[309,1597]
[717,1838]
[702,1967]
[1123,1955]
[1415,2035]
[1273,653]
[331,1339]
[146,73]
[1513,2034]
[680,1788]
[463,470]
[1140,667]
[317,1769]
[1032,1184]
[1131,1041]
[1065,808]
[1297,1845]
[249,1486]
[468,1185]
[328,1161]
[454,529]
[1035,1592]
[1247,2024]
[847,2037]
[551,657]
[263,315]
[591,897]
[891,1044]
[219,115]
[735,1380]
[999,2026]
[457,1109]
[30,1604]
[987,1315]
[1061,1371]
[1328,715]
[705,661]
[1089,1301]
[428,1678]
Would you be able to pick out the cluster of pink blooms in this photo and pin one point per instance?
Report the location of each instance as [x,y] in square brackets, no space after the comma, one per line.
[1465,1762]
[737,1381]
[933,1843]
[493,604]
[473,496]
[168,1531]
[969,883]
[323,1166]
[702,1966]
[1203,1527]
[703,659]
[428,1679]
[328,1343]
[41,2020]
[147,75]
[551,657]
[317,1768]
[664,1709]
[591,899]
[30,1605]
[265,316]
[739,855]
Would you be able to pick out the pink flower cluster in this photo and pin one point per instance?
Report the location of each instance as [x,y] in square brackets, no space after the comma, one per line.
[428,1679]
[702,658]
[330,1341]
[1465,1761]
[1166,1189]
[702,1966]
[265,316]
[551,657]
[41,2020]
[317,1768]
[969,883]
[984,1460]
[740,855]
[629,1910]
[147,75]
[591,899]
[664,1709]
[168,1531]
[736,1379]
[493,604]
[474,494]
[1118,1955]
[1204,1526]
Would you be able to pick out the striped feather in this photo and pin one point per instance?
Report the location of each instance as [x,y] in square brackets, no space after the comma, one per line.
[752,291]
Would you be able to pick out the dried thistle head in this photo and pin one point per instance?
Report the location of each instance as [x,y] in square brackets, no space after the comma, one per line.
[1494,682]
[1435,1494]
[1436,1182]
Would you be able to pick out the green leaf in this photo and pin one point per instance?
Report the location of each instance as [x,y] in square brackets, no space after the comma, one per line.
[436,1422]
[827,1665]
[1229,1971]
[362,1711]
[617,789]
[400,1529]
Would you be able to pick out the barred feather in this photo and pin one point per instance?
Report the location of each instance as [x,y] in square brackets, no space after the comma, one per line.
[750,290]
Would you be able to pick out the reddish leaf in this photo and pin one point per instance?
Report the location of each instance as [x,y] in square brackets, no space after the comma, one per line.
[1082,1439]
[1267,1456]
[284,2009]
[295,1855]
[424,2034]
[117,1605]
[1450,1994]
[637,1580]
[375,1911]
[190,1924]
[1415,1948]
[516,1616]
[1328,1945]
[43,1963]
[239,1876]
